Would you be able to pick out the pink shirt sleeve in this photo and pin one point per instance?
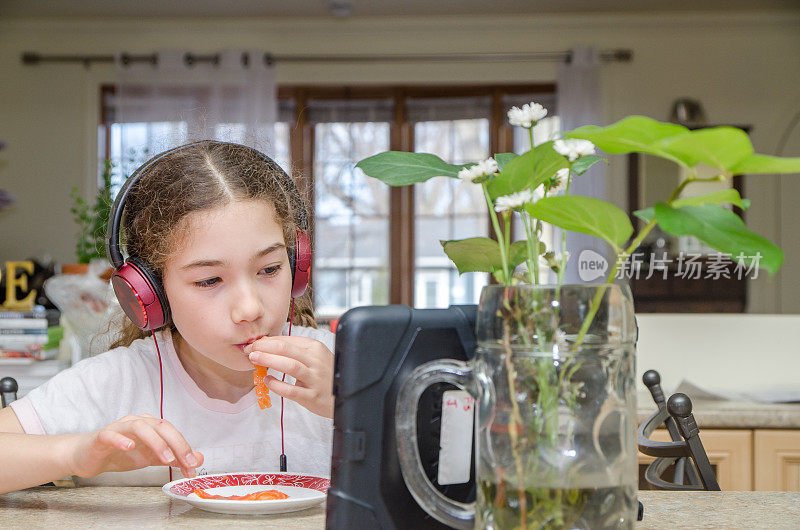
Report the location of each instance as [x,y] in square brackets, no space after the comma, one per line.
[27,416]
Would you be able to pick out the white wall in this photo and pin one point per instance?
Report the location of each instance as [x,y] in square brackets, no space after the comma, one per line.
[721,353]
[744,68]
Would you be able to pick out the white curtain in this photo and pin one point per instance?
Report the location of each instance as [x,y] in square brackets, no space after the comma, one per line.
[177,100]
[578,103]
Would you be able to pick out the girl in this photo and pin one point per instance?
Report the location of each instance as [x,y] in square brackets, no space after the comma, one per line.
[213,221]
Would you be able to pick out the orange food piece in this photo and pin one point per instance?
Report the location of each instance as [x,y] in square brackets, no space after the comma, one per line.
[268,495]
[262,392]
[259,374]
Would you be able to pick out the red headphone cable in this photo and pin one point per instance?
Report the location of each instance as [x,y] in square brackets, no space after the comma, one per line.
[161,396]
[283,451]
[161,381]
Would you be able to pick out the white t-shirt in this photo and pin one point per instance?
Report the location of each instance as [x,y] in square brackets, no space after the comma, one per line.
[232,436]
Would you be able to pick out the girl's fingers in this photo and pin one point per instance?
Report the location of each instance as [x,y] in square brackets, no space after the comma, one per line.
[115,439]
[287,365]
[294,341]
[146,430]
[298,348]
[295,393]
[148,435]
[180,447]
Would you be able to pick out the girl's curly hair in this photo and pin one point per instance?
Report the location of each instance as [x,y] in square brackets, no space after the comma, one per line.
[201,176]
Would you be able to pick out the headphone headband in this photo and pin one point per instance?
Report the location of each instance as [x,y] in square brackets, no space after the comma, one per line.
[117,209]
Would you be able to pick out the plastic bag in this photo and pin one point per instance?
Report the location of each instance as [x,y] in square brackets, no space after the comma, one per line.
[87,305]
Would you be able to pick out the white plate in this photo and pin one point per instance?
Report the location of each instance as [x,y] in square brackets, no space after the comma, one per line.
[304,491]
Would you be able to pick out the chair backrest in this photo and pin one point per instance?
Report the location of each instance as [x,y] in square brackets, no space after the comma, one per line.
[684,451]
[681,471]
[8,391]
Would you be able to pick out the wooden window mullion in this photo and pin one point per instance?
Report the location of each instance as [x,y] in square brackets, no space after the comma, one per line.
[401,215]
[301,156]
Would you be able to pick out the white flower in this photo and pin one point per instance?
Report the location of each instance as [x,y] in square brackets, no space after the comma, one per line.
[561,176]
[486,167]
[526,116]
[538,193]
[573,148]
[513,201]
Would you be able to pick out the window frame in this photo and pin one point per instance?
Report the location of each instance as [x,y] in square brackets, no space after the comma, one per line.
[401,199]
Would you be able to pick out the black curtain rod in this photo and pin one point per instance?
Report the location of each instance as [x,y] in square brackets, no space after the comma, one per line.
[620,55]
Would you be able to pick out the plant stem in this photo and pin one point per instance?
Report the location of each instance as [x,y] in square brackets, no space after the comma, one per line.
[507,239]
[515,427]
[500,239]
[598,296]
[688,181]
[601,291]
[533,249]
[562,268]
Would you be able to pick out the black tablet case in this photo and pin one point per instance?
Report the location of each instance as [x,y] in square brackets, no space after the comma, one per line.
[377,348]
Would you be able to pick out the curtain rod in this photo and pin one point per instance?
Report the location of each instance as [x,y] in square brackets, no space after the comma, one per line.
[619,55]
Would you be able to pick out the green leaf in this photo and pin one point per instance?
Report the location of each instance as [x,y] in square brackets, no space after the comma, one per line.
[721,229]
[519,253]
[634,134]
[482,254]
[755,163]
[475,254]
[399,168]
[587,215]
[583,164]
[729,196]
[719,147]
[527,171]
[503,159]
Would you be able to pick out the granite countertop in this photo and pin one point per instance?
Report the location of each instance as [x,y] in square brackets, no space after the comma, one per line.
[125,507]
[736,414]
[148,507]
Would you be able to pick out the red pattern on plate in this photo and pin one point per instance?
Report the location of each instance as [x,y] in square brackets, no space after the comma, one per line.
[262,479]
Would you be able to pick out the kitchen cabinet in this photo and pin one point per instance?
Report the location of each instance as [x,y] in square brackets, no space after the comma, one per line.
[777,459]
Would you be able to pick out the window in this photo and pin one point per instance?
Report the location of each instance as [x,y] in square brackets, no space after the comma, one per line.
[127,144]
[351,210]
[374,244]
[457,130]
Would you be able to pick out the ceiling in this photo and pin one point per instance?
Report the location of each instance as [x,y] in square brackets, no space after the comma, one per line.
[343,8]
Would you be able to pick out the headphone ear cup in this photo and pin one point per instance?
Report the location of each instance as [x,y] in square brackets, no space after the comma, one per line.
[140,295]
[300,262]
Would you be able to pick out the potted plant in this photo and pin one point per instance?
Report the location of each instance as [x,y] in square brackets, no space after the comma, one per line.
[92,221]
[553,374]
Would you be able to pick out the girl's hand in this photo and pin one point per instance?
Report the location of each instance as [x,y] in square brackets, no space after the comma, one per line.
[305,359]
[132,442]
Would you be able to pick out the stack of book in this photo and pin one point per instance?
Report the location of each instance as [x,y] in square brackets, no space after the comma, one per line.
[29,334]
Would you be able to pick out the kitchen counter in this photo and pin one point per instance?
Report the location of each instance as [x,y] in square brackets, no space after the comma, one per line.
[148,507]
[735,414]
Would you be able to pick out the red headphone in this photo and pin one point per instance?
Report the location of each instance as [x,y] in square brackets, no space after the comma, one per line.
[138,286]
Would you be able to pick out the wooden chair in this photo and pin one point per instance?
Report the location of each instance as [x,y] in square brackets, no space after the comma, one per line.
[685,451]
[681,471]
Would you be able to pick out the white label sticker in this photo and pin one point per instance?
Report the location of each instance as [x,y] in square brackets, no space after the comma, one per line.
[455,447]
